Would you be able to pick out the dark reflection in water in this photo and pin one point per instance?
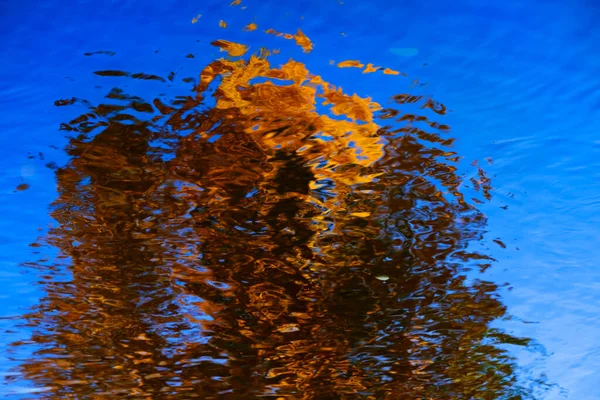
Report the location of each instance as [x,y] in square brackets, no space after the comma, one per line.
[242,243]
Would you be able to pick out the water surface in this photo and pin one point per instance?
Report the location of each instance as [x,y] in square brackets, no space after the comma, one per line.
[219,237]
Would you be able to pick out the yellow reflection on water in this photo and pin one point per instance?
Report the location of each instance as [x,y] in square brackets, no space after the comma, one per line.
[268,236]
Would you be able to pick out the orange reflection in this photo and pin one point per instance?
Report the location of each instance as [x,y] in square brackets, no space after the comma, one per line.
[269,236]
[251,27]
[299,37]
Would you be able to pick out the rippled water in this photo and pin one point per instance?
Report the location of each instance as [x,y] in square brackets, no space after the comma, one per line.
[196,219]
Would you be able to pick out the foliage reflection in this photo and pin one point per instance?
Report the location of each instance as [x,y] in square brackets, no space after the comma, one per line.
[267,236]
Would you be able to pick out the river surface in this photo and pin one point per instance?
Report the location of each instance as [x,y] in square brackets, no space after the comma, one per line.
[312,200]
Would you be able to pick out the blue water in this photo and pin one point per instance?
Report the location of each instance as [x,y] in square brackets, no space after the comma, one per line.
[520,77]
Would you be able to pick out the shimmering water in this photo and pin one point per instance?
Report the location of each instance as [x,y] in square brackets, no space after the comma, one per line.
[185,218]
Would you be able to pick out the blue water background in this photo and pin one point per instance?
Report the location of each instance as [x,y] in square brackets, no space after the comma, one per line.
[520,76]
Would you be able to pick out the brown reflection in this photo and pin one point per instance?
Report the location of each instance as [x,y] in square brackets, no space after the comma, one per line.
[239,244]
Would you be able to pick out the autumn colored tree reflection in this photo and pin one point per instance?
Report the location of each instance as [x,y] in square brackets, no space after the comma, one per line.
[287,241]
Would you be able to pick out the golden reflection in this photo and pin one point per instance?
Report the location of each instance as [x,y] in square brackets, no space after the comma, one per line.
[350,63]
[250,27]
[269,236]
[196,18]
[299,37]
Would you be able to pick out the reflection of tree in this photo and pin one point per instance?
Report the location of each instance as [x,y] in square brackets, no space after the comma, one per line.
[259,248]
